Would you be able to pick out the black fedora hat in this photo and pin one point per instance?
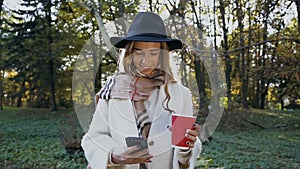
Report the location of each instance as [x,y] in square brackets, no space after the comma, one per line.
[147,27]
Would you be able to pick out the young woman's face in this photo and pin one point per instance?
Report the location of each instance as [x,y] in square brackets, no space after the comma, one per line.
[146,56]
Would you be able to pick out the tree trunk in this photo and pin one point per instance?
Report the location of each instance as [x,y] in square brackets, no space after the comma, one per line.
[103,29]
[199,66]
[214,56]
[244,87]
[200,79]
[228,66]
[150,3]
[95,60]
[262,76]
[256,79]
[1,86]
[184,79]
[50,55]
[20,93]
[282,103]
[247,68]
[1,31]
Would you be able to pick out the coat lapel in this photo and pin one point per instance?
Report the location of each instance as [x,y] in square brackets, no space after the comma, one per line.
[122,120]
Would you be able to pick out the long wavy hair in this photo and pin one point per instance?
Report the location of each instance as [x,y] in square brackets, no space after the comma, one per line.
[163,67]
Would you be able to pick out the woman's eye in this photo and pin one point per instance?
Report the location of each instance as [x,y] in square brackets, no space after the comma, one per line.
[154,53]
[138,52]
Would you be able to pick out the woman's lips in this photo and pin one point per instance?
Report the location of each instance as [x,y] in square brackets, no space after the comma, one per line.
[146,69]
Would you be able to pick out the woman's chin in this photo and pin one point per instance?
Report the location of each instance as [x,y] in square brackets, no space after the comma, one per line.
[147,71]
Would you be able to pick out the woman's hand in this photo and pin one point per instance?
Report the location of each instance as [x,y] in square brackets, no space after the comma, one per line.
[192,134]
[131,155]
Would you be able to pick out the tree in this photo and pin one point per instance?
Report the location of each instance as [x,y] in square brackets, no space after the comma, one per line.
[225,46]
[52,78]
[199,66]
[240,17]
[40,44]
[41,53]
[1,64]
[30,27]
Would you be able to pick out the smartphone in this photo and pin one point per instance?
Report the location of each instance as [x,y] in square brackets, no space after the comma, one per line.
[134,141]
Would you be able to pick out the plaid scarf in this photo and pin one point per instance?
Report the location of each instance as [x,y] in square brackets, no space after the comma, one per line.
[137,89]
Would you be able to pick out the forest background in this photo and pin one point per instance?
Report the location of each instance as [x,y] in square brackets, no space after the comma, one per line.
[256,44]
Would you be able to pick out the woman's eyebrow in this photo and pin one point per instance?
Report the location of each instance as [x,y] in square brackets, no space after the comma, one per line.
[153,49]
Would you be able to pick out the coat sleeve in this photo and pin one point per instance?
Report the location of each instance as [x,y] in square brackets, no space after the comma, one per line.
[97,142]
[187,157]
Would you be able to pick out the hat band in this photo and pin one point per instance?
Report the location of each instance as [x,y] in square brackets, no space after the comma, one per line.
[152,35]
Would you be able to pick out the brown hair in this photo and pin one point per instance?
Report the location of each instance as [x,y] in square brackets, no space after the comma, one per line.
[164,66]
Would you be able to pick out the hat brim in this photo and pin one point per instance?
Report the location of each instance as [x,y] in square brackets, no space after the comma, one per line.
[121,42]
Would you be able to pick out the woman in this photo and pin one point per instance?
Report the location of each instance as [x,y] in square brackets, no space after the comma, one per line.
[139,102]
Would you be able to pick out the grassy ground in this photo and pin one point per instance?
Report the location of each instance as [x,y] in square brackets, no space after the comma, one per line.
[36,138]
[254,139]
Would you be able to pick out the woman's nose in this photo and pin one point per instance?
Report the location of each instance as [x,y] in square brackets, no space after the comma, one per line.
[144,58]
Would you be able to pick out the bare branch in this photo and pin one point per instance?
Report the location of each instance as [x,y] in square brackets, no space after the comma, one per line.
[261,43]
[102,28]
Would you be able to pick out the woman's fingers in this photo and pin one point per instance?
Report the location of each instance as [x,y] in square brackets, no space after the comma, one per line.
[192,132]
[141,153]
[190,144]
[192,135]
[196,127]
[169,127]
[132,150]
[195,131]
[131,155]
[135,155]
[135,160]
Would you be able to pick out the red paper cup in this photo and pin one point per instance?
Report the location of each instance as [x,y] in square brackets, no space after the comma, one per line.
[180,123]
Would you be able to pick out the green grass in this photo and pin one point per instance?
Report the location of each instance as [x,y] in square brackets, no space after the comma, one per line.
[270,140]
[32,138]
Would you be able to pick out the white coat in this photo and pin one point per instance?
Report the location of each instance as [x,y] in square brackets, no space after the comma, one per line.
[114,120]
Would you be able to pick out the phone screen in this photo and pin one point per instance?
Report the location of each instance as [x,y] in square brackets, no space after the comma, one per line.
[133,141]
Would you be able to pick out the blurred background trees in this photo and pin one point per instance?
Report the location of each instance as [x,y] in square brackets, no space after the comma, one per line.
[258,43]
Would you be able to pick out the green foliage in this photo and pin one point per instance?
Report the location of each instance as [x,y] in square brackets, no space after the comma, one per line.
[31,138]
[38,45]
[34,138]
[46,36]
[277,146]
[252,149]
[32,44]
